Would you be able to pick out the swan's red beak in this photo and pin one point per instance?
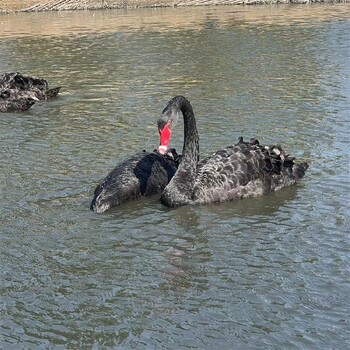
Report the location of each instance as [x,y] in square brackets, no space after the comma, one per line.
[165,135]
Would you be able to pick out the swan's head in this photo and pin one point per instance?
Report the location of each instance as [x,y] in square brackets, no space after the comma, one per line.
[166,122]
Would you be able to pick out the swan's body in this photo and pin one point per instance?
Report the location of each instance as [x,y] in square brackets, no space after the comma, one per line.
[18,86]
[143,174]
[246,169]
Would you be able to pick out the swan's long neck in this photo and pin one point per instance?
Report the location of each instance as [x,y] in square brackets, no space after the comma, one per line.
[190,151]
[179,190]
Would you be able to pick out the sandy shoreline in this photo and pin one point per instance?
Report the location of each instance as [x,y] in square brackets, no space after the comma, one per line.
[59,5]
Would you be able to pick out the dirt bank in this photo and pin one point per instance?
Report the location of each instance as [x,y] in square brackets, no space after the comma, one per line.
[58,5]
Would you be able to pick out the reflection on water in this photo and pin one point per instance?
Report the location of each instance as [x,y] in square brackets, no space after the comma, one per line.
[270,272]
[166,19]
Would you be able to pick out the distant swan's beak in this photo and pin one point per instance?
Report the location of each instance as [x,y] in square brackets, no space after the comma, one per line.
[164,135]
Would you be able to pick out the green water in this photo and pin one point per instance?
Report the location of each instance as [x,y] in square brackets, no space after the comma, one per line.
[265,273]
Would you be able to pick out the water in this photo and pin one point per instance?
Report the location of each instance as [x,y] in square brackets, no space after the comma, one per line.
[266,273]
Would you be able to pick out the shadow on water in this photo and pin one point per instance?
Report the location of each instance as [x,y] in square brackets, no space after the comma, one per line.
[192,218]
[260,206]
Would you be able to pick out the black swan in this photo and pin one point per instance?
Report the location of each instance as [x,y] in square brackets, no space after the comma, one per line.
[143,174]
[246,169]
[19,86]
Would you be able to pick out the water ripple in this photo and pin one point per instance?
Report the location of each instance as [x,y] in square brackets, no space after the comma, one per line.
[270,272]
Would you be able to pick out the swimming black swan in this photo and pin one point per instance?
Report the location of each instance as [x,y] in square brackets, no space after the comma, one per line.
[19,86]
[143,174]
[245,169]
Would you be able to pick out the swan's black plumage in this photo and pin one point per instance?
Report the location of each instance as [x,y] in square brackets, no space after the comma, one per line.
[143,174]
[246,169]
[14,105]
[20,86]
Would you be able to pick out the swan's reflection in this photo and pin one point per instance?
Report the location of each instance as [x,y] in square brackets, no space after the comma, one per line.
[187,252]
[193,248]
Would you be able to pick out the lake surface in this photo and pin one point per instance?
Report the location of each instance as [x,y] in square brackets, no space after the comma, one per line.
[265,273]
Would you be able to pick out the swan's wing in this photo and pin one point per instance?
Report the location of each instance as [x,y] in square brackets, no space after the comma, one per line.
[6,80]
[26,82]
[243,170]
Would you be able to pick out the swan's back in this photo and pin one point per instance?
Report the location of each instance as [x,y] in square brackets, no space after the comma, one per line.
[246,169]
[16,80]
[143,174]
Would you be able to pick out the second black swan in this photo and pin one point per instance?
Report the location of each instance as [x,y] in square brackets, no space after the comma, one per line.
[246,169]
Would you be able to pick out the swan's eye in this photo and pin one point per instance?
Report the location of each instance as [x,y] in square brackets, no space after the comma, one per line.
[162,122]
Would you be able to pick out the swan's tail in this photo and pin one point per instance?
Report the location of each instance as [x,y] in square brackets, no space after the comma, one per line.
[50,93]
[299,170]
